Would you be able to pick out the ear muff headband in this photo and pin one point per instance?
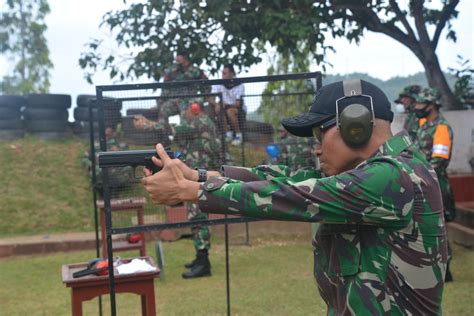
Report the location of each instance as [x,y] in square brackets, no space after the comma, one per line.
[356,121]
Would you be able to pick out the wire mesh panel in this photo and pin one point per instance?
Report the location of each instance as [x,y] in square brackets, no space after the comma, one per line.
[206,123]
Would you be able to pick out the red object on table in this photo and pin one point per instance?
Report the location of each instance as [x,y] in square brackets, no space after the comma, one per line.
[88,287]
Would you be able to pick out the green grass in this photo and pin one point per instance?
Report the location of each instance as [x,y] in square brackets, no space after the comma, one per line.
[273,276]
[43,187]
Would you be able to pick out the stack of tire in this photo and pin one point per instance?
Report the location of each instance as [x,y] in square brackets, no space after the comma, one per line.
[82,119]
[134,136]
[11,124]
[46,115]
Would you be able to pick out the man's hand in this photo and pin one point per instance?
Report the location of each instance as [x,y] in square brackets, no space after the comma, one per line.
[170,186]
[141,122]
[188,173]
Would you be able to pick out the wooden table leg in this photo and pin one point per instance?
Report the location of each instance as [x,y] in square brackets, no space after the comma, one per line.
[150,299]
[76,303]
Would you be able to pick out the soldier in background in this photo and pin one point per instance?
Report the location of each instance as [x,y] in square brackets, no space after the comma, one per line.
[406,98]
[435,139]
[119,178]
[182,70]
[296,152]
[196,137]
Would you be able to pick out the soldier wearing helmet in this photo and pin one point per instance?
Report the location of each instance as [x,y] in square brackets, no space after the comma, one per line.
[435,140]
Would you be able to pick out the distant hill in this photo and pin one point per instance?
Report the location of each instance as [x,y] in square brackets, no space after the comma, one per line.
[391,87]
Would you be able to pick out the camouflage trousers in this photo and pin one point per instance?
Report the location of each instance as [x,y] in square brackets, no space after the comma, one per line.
[447,194]
[201,234]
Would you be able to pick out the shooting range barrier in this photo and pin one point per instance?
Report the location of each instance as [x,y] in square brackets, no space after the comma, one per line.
[165,108]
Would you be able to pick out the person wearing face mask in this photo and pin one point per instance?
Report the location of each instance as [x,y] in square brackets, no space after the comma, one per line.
[381,248]
[435,139]
[406,104]
[181,70]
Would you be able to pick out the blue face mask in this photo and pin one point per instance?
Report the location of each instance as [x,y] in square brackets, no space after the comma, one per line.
[422,113]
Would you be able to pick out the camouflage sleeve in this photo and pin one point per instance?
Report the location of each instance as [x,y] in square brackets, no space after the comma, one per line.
[268,172]
[379,193]
[184,130]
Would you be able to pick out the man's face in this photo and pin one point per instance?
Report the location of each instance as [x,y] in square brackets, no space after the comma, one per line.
[334,155]
[227,74]
[181,60]
[406,101]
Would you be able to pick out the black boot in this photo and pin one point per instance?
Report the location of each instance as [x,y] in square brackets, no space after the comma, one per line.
[191,264]
[448,277]
[201,268]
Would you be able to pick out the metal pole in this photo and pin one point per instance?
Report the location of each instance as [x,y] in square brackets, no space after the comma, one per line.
[94,191]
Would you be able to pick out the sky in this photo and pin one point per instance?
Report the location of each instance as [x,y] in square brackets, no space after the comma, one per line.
[72,23]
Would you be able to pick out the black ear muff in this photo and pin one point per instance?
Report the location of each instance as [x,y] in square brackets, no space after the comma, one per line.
[355,125]
[356,121]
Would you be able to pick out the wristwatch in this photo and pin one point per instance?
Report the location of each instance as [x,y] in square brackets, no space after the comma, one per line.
[202,175]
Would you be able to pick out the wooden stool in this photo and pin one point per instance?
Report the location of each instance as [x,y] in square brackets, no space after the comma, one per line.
[88,287]
[136,204]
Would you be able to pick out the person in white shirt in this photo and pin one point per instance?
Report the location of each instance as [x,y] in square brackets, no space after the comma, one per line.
[231,100]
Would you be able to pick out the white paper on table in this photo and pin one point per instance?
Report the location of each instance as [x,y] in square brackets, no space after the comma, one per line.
[134,266]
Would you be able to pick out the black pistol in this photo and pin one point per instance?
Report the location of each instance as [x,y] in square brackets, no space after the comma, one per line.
[132,158]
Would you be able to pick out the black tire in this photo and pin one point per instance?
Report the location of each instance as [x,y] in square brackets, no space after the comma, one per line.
[46,126]
[45,114]
[83,100]
[9,112]
[11,124]
[51,135]
[82,114]
[11,134]
[12,101]
[58,101]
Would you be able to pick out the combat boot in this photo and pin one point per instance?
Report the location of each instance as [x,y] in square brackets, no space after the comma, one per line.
[201,268]
[191,264]
[448,277]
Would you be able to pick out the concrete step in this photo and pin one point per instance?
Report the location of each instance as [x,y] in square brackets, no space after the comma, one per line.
[461,234]
[465,213]
[42,244]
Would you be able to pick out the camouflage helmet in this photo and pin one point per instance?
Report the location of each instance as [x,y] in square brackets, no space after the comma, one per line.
[409,91]
[428,95]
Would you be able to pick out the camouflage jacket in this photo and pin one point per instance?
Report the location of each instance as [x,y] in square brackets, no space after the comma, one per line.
[297,152]
[198,141]
[381,248]
[177,73]
[411,124]
[435,140]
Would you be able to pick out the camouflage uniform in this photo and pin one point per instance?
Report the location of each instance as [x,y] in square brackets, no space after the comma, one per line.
[201,149]
[381,247]
[172,106]
[435,140]
[118,177]
[411,121]
[297,152]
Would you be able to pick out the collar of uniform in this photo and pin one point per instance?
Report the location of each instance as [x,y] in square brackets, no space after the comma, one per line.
[396,144]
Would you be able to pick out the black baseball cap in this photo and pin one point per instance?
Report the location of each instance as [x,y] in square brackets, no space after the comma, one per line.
[323,108]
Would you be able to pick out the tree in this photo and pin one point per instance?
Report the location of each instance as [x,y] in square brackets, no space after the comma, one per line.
[22,40]
[220,31]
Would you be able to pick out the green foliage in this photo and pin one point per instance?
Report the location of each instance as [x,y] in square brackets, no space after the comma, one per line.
[464,74]
[216,32]
[23,41]
[286,98]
